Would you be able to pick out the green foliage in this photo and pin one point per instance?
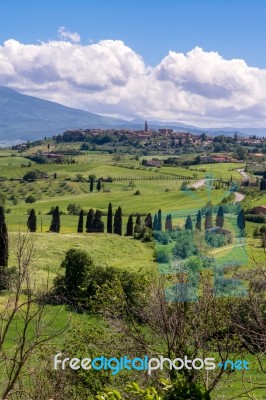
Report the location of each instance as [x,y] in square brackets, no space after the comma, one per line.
[32,221]
[89,221]
[188,224]
[31,175]
[220,217]
[198,221]
[118,221]
[216,240]
[95,288]
[130,226]
[55,223]
[30,199]
[110,219]
[184,245]
[80,222]
[73,209]
[162,255]
[3,239]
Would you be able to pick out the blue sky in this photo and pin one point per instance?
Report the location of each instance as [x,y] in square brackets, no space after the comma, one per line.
[233,28]
[194,61]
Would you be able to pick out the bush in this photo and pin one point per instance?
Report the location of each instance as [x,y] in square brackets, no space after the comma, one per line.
[73,209]
[162,255]
[185,246]
[258,218]
[30,199]
[94,288]
[137,193]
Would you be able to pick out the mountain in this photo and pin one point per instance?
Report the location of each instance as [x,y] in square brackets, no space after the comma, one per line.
[24,117]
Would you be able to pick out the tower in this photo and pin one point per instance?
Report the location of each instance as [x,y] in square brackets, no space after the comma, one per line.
[146,126]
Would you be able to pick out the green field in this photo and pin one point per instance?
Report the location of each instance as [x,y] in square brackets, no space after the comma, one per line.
[159,189]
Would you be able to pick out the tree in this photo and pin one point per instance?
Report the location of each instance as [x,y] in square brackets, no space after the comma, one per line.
[263,184]
[80,222]
[89,221]
[91,184]
[188,224]
[32,221]
[240,152]
[198,221]
[99,185]
[97,224]
[168,223]
[118,222]
[138,224]
[110,219]
[73,209]
[75,264]
[159,220]
[148,221]
[208,219]
[241,221]
[155,222]
[3,239]
[220,217]
[55,223]
[30,199]
[130,226]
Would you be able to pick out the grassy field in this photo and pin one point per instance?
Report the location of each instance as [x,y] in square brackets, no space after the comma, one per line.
[158,190]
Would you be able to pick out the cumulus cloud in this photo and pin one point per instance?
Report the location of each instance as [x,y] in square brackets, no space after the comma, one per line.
[109,78]
[64,33]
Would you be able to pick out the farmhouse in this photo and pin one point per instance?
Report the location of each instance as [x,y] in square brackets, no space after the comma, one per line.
[154,162]
[218,231]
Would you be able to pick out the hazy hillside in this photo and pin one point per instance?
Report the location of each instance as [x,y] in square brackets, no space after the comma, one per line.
[27,118]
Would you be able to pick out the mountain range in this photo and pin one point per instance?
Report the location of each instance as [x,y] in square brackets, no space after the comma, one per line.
[24,117]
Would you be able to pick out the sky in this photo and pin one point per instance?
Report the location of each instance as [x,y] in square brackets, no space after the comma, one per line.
[198,62]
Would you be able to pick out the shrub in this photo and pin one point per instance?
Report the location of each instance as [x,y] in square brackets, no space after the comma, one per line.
[137,193]
[30,199]
[259,218]
[162,255]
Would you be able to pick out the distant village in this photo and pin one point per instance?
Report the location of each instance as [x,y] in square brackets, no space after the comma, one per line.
[161,141]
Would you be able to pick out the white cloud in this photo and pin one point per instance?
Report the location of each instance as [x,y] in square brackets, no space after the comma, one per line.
[63,33]
[110,78]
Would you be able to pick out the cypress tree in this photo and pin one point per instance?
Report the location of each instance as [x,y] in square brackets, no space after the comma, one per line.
[220,217]
[98,225]
[208,219]
[3,239]
[155,222]
[130,226]
[32,221]
[138,224]
[160,220]
[99,185]
[188,224]
[168,223]
[91,184]
[110,219]
[148,221]
[241,221]
[198,221]
[55,223]
[118,222]
[89,221]
[263,184]
[80,223]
